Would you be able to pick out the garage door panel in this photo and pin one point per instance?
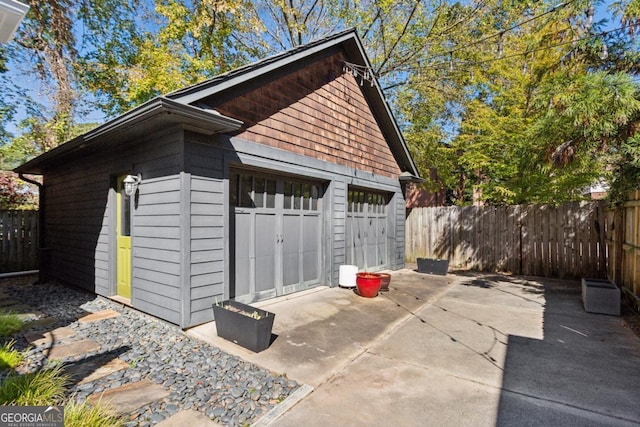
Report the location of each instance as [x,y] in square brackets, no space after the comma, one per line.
[242,257]
[265,238]
[274,251]
[311,248]
[291,249]
[366,229]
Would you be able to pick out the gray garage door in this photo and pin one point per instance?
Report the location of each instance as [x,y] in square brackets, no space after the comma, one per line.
[366,231]
[276,245]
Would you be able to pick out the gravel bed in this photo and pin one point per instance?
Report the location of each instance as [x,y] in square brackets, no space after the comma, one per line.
[197,375]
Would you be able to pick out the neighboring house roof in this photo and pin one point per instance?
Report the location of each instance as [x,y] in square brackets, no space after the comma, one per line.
[189,101]
[11,13]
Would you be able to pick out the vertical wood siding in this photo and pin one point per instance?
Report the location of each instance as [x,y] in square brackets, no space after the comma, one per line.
[317,111]
[19,240]
[537,240]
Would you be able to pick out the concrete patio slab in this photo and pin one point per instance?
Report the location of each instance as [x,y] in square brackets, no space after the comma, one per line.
[319,330]
[490,350]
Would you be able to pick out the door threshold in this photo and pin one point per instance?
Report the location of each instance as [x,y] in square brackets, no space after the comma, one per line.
[121,300]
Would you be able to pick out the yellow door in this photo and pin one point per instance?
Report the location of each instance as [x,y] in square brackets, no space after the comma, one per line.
[123,256]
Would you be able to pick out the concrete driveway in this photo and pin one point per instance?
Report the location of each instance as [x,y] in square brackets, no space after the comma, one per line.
[455,350]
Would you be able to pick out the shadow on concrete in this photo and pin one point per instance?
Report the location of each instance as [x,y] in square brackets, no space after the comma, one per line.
[583,372]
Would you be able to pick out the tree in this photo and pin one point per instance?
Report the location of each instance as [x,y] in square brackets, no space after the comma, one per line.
[511,137]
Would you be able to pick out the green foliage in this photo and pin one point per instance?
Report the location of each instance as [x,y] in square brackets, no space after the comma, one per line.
[533,112]
[9,357]
[9,324]
[45,387]
[85,415]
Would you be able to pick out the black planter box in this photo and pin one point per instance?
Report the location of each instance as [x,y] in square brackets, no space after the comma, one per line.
[235,323]
[433,266]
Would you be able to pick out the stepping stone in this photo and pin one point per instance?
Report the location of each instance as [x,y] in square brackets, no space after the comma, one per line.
[189,418]
[49,337]
[28,317]
[129,397]
[98,315]
[95,369]
[71,349]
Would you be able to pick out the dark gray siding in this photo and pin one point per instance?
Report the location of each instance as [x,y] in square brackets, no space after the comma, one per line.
[206,226]
[207,246]
[156,245]
[80,209]
[397,241]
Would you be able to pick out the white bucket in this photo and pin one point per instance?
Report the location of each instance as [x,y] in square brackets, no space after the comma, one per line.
[347,277]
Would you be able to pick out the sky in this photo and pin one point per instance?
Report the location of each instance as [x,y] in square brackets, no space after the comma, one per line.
[95,116]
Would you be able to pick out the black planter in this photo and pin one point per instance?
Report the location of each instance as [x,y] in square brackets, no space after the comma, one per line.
[433,266]
[234,322]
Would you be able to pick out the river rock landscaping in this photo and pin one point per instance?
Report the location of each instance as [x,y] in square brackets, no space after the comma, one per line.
[194,374]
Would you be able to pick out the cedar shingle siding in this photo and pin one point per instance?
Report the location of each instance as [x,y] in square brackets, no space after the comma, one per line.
[318,111]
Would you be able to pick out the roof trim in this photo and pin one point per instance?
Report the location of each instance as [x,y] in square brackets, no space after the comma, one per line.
[248,72]
[176,112]
[11,14]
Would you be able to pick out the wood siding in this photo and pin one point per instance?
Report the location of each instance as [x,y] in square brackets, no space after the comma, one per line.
[536,240]
[317,111]
[623,243]
[19,240]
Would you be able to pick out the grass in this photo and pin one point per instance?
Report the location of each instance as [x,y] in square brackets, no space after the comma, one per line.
[9,357]
[85,415]
[9,324]
[45,387]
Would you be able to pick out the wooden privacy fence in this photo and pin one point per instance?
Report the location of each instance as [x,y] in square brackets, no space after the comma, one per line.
[538,240]
[19,234]
[624,245]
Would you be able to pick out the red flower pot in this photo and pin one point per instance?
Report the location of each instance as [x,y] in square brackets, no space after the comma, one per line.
[368,284]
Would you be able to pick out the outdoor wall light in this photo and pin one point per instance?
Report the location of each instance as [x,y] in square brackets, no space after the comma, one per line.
[131,184]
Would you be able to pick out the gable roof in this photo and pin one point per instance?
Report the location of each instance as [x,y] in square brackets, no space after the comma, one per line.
[349,41]
[182,106]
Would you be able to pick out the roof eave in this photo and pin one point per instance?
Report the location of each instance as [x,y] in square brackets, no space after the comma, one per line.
[203,121]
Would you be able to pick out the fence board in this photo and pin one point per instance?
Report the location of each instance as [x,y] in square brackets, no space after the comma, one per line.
[19,235]
[540,240]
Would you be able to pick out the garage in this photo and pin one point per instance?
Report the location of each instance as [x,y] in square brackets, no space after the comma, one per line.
[259,182]
[277,228]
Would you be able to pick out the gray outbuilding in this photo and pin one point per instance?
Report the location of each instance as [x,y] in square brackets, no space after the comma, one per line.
[256,183]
